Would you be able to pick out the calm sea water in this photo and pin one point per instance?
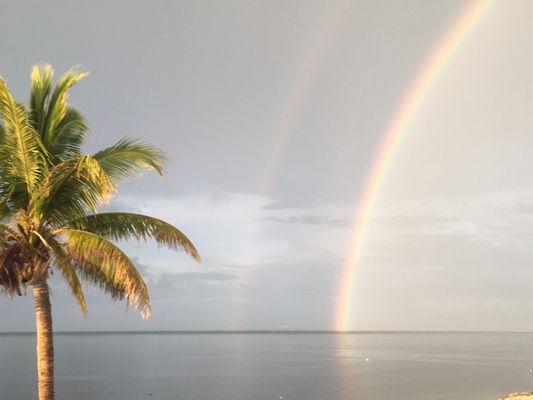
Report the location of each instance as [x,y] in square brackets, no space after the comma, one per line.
[274,366]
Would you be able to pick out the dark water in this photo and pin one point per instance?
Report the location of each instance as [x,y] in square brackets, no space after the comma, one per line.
[274,366]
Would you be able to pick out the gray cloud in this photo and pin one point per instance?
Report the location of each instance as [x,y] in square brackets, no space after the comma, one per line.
[311,220]
[524,208]
[177,280]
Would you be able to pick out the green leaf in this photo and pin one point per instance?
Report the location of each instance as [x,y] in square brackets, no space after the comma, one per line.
[41,84]
[103,263]
[69,274]
[72,189]
[22,160]
[58,104]
[124,226]
[69,136]
[129,158]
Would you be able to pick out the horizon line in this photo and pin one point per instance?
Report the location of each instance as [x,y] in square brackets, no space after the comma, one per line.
[263,331]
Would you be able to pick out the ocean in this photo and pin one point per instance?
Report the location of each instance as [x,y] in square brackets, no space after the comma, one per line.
[273,366]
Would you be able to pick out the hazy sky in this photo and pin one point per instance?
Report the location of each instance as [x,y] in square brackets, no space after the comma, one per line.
[211,82]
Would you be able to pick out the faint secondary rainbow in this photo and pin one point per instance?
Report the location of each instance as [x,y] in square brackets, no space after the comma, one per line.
[297,95]
[299,92]
[400,123]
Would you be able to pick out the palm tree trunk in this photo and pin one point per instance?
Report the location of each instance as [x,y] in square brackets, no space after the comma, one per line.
[45,344]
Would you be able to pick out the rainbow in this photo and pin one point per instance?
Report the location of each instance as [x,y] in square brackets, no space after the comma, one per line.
[305,77]
[400,123]
[300,90]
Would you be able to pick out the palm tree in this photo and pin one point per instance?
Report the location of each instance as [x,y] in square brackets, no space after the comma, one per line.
[50,194]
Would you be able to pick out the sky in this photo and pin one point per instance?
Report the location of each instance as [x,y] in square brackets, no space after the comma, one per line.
[271,113]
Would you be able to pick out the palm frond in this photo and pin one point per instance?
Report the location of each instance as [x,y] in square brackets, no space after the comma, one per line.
[72,189]
[63,264]
[128,158]
[103,263]
[69,274]
[58,104]
[41,84]
[21,153]
[69,136]
[5,211]
[11,268]
[124,226]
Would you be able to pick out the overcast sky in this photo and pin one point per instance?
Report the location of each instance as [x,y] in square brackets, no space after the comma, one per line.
[212,82]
